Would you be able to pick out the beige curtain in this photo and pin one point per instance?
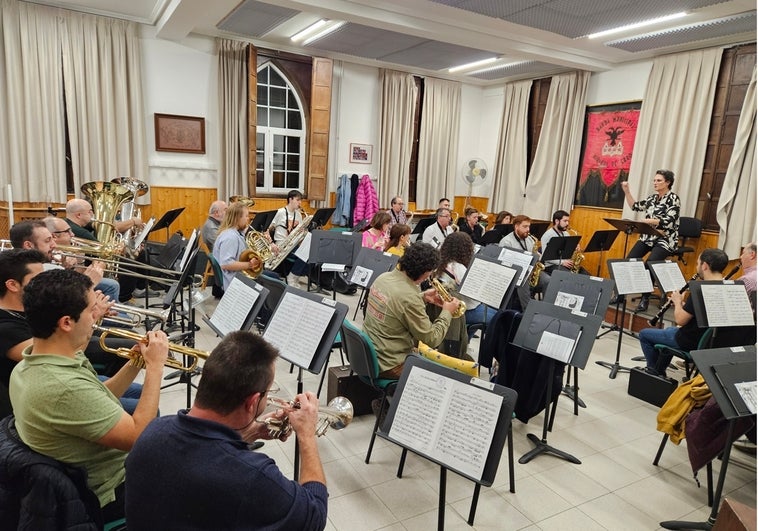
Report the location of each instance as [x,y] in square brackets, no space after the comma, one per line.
[438,142]
[103,79]
[233,141]
[511,158]
[32,146]
[673,128]
[398,102]
[736,211]
[552,178]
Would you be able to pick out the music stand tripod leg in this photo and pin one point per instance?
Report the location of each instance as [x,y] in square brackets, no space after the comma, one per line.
[616,366]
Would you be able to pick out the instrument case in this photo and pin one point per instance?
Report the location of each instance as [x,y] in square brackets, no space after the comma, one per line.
[652,389]
[342,383]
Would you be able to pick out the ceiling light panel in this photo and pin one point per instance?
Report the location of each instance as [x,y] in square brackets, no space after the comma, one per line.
[743,23]
[364,41]
[532,68]
[255,19]
[576,18]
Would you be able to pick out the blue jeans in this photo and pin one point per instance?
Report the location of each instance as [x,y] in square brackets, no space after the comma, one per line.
[130,398]
[652,336]
[109,287]
[477,316]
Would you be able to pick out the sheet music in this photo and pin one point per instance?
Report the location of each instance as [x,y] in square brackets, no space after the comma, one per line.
[361,276]
[447,420]
[297,327]
[487,282]
[519,258]
[188,249]
[304,250]
[569,300]
[669,275]
[727,305]
[557,347]
[333,267]
[748,392]
[143,233]
[234,307]
[632,277]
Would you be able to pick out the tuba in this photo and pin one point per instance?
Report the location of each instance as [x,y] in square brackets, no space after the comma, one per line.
[444,294]
[257,247]
[106,199]
[129,210]
[248,201]
[337,414]
[577,257]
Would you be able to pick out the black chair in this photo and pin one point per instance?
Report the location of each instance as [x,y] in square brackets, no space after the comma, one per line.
[688,228]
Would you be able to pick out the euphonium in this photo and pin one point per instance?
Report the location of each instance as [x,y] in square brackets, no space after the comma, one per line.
[248,201]
[257,247]
[444,294]
[577,257]
[136,358]
[288,245]
[337,414]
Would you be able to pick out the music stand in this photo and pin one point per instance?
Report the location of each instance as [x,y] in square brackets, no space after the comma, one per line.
[497,233]
[239,306]
[422,225]
[167,219]
[560,248]
[601,241]
[321,217]
[538,228]
[707,362]
[369,264]
[262,221]
[565,336]
[334,247]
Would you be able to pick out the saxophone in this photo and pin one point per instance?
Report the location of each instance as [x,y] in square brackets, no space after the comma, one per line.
[289,244]
[539,267]
[577,257]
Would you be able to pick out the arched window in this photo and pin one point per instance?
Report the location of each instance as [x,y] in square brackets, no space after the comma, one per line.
[280,134]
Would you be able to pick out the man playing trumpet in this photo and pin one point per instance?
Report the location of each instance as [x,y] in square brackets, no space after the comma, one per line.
[204,451]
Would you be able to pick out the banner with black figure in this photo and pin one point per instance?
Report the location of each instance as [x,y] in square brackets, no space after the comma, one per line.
[303,328]
[239,306]
[489,281]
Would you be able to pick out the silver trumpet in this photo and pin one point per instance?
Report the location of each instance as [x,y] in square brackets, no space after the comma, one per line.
[337,414]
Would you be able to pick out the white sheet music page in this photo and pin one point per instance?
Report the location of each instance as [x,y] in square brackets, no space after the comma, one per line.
[557,347]
[519,258]
[747,391]
[669,275]
[144,232]
[487,282]
[450,421]
[631,277]
[296,328]
[234,306]
[361,276]
[727,305]
[303,252]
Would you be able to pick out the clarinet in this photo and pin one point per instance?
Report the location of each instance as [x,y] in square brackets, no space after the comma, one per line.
[659,315]
[733,271]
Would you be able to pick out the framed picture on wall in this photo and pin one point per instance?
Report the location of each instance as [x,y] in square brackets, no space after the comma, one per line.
[180,134]
[361,153]
[607,147]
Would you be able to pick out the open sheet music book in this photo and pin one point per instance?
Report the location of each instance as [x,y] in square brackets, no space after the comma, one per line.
[234,307]
[631,276]
[487,282]
[727,304]
[669,275]
[522,259]
[450,421]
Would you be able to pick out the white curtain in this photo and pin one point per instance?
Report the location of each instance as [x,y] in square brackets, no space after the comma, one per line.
[552,178]
[398,103]
[736,210]
[232,90]
[438,142]
[511,158]
[32,147]
[103,78]
[673,129]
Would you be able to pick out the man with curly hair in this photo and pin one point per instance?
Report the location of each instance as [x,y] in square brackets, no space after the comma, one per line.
[396,317]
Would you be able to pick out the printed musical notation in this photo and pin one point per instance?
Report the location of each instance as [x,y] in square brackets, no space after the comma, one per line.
[518,258]
[234,307]
[487,282]
[727,305]
[297,327]
[669,275]
[748,392]
[631,277]
[447,420]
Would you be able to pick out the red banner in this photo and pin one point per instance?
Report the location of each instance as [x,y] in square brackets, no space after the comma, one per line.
[610,143]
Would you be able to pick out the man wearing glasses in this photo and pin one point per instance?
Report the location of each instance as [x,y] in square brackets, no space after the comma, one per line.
[205,450]
[397,214]
[436,233]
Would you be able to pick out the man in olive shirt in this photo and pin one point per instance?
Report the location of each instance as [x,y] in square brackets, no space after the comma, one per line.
[396,318]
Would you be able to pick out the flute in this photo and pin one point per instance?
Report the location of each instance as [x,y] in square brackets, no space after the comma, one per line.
[667,305]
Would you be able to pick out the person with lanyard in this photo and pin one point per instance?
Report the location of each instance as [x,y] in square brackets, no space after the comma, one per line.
[662,213]
[559,230]
[520,239]
[397,214]
[436,233]
[285,221]
[471,225]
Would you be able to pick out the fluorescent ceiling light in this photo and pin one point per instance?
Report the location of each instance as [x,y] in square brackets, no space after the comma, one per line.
[334,26]
[496,67]
[637,25]
[472,65]
[307,31]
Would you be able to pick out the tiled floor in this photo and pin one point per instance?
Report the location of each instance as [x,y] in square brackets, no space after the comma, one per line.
[616,486]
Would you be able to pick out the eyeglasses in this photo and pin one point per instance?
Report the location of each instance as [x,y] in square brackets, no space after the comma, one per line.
[63,231]
[274,389]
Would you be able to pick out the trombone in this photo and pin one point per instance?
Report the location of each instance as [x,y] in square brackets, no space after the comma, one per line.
[140,313]
[194,355]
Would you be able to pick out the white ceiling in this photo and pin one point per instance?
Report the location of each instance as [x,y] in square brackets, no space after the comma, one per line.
[530,38]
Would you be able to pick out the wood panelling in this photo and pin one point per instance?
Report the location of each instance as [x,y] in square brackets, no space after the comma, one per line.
[318,150]
[252,116]
[195,201]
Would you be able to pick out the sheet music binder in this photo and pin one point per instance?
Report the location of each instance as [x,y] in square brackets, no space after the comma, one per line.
[415,365]
[511,288]
[236,297]
[701,312]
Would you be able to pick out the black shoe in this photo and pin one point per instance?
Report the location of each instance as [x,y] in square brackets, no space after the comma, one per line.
[615,300]
[642,306]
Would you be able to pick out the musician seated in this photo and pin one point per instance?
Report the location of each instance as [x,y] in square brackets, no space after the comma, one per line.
[209,231]
[287,219]
[396,212]
[396,318]
[503,218]
[436,233]
[686,334]
[521,239]
[62,410]
[471,225]
[223,484]
[747,262]
[375,235]
[399,240]
[560,229]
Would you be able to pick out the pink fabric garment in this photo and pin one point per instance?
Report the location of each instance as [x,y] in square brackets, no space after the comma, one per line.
[366,200]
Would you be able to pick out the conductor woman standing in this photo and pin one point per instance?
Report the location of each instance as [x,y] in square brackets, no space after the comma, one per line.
[662,213]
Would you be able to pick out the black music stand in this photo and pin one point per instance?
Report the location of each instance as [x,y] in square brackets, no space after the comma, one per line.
[601,241]
[538,228]
[369,264]
[334,247]
[167,219]
[262,221]
[721,384]
[540,319]
[496,233]
[238,307]
[560,248]
[321,217]
[422,225]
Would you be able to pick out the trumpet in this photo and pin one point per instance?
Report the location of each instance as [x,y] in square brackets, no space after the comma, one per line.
[444,294]
[194,355]
[337,414]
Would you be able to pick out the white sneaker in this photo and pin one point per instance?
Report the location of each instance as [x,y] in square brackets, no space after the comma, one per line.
[292,280]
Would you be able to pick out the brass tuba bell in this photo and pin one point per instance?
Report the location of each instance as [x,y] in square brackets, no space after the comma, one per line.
[106,199]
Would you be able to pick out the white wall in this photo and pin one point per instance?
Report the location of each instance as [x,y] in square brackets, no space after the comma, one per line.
[625,83]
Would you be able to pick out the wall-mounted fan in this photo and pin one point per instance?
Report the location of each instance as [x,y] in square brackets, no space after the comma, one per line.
[474,173]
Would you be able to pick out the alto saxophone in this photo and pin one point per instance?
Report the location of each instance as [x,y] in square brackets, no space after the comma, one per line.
[444,294]
[577,257]
[539,267]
